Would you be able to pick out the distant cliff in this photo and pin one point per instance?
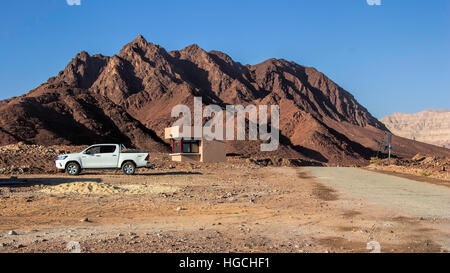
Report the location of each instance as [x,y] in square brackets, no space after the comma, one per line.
[431,126]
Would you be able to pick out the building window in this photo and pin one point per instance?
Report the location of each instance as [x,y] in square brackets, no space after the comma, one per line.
[186,146]
[190,146]
[177,146]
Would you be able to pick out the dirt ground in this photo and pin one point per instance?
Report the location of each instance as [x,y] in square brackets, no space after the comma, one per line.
[432,167]
[227,207]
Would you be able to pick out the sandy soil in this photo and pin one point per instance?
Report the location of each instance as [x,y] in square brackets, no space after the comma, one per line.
[427,179]
[432,167]
[231,208]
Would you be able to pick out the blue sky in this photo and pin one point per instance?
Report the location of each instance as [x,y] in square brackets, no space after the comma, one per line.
[392,58]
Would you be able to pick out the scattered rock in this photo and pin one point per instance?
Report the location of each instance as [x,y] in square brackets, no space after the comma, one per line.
[280,162]
[12,232]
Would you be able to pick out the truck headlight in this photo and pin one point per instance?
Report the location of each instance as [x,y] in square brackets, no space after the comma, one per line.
[61,157]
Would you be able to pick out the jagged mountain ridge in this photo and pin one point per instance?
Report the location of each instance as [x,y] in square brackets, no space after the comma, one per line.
[144,81]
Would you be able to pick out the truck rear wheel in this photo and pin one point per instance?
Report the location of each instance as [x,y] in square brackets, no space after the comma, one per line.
[73,168]
[128,168]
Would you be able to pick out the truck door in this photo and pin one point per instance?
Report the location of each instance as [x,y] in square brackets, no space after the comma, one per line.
[109,156]
[90,158]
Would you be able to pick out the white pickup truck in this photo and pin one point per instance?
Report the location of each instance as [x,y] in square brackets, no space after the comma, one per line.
[103,156]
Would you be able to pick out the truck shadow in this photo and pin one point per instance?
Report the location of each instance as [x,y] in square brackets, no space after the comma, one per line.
[168,173]
[119,173]
[28,182]
[14,182]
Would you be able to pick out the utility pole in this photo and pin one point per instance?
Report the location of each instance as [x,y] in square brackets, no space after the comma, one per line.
[389,145]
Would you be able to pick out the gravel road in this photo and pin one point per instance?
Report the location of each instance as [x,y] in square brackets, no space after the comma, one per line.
[412,197]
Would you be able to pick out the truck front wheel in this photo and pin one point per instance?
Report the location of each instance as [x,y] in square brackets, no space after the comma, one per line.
[73,168]
[128,168]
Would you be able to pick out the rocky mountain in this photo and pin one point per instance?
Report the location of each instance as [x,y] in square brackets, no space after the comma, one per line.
[430,126]
[128,98]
